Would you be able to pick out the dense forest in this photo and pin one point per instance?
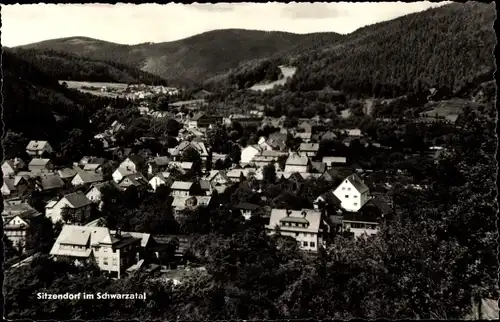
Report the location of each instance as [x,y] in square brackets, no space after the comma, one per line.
[65,66]
[37,107]
[450,47]
[192,60]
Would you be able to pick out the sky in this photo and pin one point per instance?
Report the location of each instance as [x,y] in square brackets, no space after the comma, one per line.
[133,24]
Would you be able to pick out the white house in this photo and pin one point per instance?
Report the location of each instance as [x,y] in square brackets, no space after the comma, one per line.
[181,188]
[352,193]
[8,168]
[160,179]
[113,253]
[85,177]
[132,163]
[248,153]
[309,149]
[121,173]
[75,200]
[303,225]
[37,148]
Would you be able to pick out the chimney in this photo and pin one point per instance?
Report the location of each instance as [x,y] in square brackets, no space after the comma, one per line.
[288,212]
[304,213]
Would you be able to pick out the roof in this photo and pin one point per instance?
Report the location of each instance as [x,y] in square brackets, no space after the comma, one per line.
[135,179]
[356,181]
[9,183]
[329,198]
[51,182]
[68,172]
[123,171]
[181,185]
[17,209]
[328,135]
[181,165]
[379,203]
[214,173]
[330,160]
[359,217]
[91,166]
[297,159]
[309,147]
[90,177]
[77,199]
[36,145]
[205,185]
[197,116]
[161,160]
[179,202]
[313,217]
[318,166]
[38,162]
[136,159]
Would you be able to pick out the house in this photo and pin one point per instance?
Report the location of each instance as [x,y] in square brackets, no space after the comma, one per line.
[353,132]
[358,224]
[245,120]
[161,179]
[158,164]
[328,136]
[303,225]
[115,127]
[182,188]
[248,153]
[37,148]
[216,177]
[85,177]
[206,187]
[328,200]
[12,166]
[267,157]
[297,162]
[333,161]
[49,183]
[246,209]
[120,173]
[277,141]
[181,166]
[92,161]
[235,175]
[40,165]
[304,131]
[91,167]
[182,203]
[309,149]
[199,147]
[67,174]
[76,201]
[200,120]
[14,185]
[135,179]
[94,193]
[16,227]
[352,193]
[133,163]
[113,253]
[318,167]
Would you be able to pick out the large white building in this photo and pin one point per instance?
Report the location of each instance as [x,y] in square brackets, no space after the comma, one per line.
[352,193]
[303,225]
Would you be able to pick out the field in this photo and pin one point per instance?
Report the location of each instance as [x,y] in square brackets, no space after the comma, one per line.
[450,109]
[287,72]
[77,84]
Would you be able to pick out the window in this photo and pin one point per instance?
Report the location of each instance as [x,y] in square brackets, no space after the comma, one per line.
[312,244]
[355,203]
[347,196]
[305,244]
[105,260]
[355,196]
[296,234]
[114,261]
[348,189]
[343,188]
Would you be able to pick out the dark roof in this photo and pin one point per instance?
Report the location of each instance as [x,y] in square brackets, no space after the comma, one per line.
[77,199]
[136,158]
[380,204]
[360,216]
[331,199]
[126,241]
[51,182]
[318,166]
[247,206]
[295,220]
[356,181]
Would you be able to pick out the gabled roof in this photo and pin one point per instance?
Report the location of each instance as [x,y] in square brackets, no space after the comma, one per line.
[297,159]
[205,185]
[123,171]
[356,181]
[313,217]
[36,145]
[161,161]
[90,177]
[181,185]
[67,173]
[318,166]
[309,147]
[39,162]
[9,183]
[135,179]
[10,163]
[77,199]
[136,159]
[51,182]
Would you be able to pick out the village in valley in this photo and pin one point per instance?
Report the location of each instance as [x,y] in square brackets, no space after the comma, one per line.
[249,174]
[310,157]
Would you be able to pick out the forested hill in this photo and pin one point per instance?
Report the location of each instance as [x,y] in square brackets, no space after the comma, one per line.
[66,66]
[446,47]
[192,59]
[36,107]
